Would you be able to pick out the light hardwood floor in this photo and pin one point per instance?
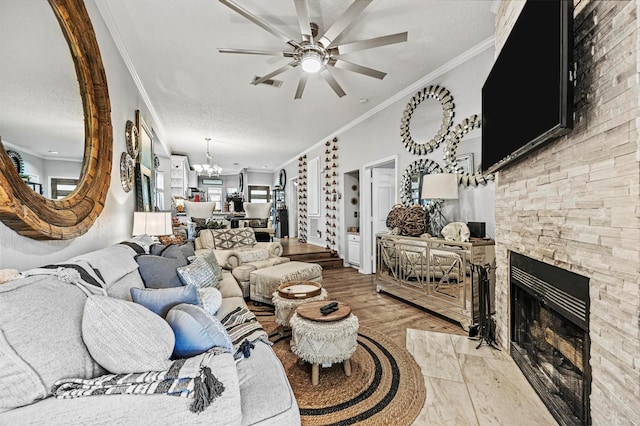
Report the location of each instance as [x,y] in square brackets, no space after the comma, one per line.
[380,311]
[465,385]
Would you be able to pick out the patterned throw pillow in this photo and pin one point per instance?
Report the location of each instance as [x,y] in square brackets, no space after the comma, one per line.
[225,239]
[211,258]
[199,273]
[160,300]
[246,237]
[196,331]
[124,337]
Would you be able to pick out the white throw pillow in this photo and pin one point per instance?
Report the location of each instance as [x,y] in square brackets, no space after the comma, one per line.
[210,299]
[125,337]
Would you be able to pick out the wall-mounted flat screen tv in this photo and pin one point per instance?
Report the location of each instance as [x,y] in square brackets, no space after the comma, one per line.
[527,99]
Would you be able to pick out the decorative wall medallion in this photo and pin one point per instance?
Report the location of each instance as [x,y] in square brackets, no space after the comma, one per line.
[282,178]
[17,160]
[443,96]
[132,138]
[156,162]
[421,167]
[452,165]
[127,171]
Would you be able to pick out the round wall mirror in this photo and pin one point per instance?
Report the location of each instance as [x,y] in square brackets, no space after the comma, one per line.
[42,116]
[412,178]
[468,173]
[427,119]
[27,212]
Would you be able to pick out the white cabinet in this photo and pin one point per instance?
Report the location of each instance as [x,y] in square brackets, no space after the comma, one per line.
[354,249]
[179,175]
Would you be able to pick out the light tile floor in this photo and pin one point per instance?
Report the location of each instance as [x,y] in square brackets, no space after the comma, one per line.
[469,386]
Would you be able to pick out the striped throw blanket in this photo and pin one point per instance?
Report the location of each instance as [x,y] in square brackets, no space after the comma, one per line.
[186,378]
[244,329]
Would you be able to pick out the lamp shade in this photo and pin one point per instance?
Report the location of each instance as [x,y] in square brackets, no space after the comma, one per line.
[440,186]
[152,223]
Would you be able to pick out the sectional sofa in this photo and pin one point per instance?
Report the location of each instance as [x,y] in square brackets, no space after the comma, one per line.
[42,340]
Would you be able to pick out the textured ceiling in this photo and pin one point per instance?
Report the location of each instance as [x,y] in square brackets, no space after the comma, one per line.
[195,92]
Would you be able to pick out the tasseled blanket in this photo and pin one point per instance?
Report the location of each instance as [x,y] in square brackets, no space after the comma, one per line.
[187,378]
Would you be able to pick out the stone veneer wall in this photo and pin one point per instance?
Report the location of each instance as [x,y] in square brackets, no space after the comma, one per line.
[576,202]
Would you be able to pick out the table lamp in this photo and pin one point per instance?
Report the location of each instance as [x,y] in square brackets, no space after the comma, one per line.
[437,187]
[153,224]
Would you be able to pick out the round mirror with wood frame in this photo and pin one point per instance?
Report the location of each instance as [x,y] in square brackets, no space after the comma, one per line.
[33,215]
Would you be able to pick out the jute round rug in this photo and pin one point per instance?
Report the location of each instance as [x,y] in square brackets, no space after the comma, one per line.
[386,386]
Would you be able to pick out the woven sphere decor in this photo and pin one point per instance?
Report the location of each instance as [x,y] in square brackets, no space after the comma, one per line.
[414,221]
[394,216]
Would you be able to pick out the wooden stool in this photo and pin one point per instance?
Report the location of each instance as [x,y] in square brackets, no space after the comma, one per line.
[324,339]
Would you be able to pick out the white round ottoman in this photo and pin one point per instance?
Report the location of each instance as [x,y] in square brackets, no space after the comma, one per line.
[324,341]
[286,307]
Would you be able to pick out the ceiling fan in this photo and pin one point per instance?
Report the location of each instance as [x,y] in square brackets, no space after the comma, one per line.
[316,54]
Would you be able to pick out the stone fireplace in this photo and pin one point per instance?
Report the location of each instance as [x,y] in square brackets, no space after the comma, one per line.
[575,205]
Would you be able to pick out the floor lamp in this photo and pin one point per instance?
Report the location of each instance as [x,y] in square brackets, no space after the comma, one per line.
[437,187]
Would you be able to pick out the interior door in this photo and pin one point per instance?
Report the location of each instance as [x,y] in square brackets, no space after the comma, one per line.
[382,200]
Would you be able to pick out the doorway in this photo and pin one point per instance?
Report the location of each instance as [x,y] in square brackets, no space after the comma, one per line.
[379,195]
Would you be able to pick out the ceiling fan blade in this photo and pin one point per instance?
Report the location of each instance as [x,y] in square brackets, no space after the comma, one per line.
[260,22]
[343,22]
[280,70]
[370,43]
[302,10]
[332,82]
[360,69]
[301,85]
[256,52]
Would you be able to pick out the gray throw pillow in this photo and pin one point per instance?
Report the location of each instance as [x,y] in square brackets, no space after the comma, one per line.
[199,273]
[188,249]
[124,337]
[158,271]
[174,251]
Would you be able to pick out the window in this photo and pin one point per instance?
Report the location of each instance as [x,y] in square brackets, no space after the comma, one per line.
[60,188]
[215,194]
[259,194]
[160,190]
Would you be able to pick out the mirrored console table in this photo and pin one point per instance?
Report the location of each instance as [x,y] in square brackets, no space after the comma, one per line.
[439,275]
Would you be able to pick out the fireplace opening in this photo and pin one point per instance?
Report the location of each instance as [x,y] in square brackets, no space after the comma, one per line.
[550,336]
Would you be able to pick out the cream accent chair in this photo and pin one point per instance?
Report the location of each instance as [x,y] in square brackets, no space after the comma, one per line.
[197,209]
[259,211]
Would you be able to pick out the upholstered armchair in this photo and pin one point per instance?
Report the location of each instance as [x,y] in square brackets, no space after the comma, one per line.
[202,210]
[259,218]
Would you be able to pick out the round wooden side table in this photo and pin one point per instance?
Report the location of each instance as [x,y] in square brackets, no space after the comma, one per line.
[324,339]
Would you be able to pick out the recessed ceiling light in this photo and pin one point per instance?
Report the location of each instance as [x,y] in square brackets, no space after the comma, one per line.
[54,152]
[364,101]
[265,167]
[236,164]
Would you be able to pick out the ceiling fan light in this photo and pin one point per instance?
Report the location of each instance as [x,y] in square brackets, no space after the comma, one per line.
[311,62]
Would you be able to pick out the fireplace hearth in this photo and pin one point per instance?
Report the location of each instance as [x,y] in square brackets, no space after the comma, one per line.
[550,336]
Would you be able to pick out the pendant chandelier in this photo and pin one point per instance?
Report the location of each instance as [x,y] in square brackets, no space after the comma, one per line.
[207,168]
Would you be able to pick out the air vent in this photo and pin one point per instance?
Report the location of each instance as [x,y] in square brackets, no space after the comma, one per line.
[269,82]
